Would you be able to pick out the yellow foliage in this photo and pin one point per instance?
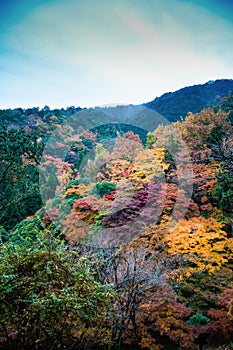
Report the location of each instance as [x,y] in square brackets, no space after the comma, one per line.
[116,169]
[196,128]
[203,241]
[149,164]
[81,189]
[160,157]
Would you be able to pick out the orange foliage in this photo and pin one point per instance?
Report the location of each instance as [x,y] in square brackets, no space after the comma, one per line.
[81,190]
[74,230]
[221,324]
[116,169]
[127,146]
[148,165]
[196,129]
[63,170]
[164,314]
[87,208]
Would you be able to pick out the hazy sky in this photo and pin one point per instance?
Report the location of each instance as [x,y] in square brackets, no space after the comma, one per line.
[94,52]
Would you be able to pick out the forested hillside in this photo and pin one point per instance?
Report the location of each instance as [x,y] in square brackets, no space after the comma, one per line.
[174,105]
[117,226]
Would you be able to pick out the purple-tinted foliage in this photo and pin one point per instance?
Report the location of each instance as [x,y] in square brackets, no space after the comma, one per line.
[143,206]
[142,211]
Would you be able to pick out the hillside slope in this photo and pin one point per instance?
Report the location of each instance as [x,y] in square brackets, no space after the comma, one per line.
[173,105]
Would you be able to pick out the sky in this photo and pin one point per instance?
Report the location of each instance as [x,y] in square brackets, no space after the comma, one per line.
[101,52]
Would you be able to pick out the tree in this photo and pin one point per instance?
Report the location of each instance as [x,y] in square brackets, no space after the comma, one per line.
[224,187]
[102,188]
[221,321]
[49,297]
[135,277]
[203,242]
[149,165]
[20,153]
[127,146]
[202,130]
[227,104]
[204,184]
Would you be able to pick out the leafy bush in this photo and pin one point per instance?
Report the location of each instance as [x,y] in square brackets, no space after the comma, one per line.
[50,298]
[198,320]
[102,188]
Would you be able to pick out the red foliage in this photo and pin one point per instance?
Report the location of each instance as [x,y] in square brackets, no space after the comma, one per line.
[221,325]
[50,216]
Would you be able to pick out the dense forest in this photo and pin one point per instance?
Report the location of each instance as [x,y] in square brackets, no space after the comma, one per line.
[117,226]
[191,99]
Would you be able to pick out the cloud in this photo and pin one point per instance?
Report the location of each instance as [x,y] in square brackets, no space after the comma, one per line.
[106,51]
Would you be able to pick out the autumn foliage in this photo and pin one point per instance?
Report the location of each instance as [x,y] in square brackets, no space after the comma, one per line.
[155,224]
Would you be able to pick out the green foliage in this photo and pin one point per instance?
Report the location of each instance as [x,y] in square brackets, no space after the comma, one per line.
[227,105]
[70,199]
[226,347]
[81,156]
[102,188]
[15,143]
[20,152]
[193,99]
[110,131]
[50,297]
[56,201]
[26,231]
[21,117]
[3,234]
[9,116]
[54,296]
[51,184]
[76,182]
[223,193]
[100,151]
[198,320]
[150,140]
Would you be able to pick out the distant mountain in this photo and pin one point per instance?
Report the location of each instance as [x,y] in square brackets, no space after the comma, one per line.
[166,108]
[173,105]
